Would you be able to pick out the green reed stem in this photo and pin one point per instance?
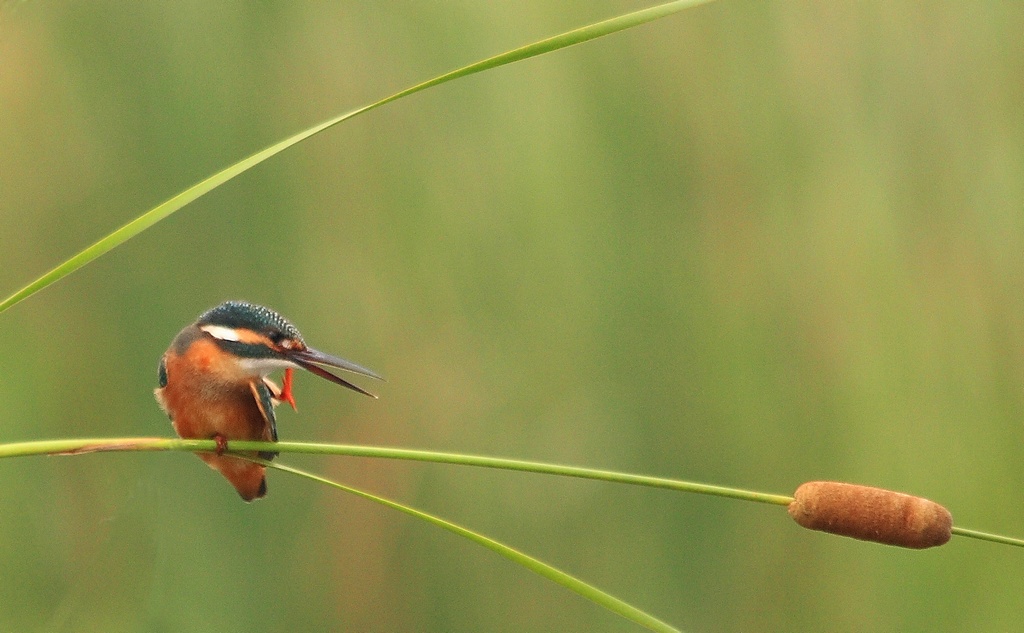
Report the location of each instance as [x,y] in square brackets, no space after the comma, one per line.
[52,447]
[554,574]
[72,447]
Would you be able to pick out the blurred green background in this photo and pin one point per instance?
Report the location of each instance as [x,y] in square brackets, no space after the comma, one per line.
[752,244]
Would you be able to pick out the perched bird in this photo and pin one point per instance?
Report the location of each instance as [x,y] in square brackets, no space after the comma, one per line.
[214,384]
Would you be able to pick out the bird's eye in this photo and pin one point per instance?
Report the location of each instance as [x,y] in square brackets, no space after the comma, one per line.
[282,340]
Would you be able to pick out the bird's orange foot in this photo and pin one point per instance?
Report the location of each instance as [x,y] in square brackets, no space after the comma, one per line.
[222,443]
[286,388]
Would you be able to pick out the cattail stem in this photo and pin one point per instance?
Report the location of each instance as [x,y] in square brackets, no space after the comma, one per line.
[871,514]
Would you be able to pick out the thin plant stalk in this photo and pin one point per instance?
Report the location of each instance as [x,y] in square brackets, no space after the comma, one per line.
[588,591]
[96,445]
[165,209]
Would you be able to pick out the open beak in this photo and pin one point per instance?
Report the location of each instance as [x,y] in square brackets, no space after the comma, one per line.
[311,359]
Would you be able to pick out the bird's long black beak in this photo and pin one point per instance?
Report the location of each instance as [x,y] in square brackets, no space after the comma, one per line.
[311,359]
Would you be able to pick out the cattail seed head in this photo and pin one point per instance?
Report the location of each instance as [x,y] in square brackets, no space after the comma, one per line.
[871,514]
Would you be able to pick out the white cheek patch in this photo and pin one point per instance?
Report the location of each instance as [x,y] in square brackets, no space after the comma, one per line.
[220,332]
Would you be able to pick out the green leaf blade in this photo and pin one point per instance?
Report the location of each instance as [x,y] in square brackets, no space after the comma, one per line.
[165,209]
[570,582]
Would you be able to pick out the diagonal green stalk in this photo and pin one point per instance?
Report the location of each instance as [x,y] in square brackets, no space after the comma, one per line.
[163,210]
[554,574]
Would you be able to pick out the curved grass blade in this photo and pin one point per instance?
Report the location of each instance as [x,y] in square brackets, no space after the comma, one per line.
[161,211]
[554,574]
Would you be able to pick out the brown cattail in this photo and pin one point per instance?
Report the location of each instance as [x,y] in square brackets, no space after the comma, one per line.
[871,514]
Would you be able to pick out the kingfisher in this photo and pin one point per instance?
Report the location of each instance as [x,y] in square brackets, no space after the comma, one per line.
[214,383]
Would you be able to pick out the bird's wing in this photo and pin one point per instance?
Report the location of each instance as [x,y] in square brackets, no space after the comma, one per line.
[265,402]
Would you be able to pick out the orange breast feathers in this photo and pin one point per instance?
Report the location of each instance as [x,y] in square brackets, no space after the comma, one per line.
[208,394]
